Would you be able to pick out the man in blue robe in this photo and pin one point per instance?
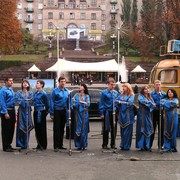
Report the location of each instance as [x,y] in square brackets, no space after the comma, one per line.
[107,108]
[7,112]
[58,112]
[157,94]
[41,109]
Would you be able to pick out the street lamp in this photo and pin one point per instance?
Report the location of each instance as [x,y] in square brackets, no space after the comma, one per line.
[50,37]
[113,37]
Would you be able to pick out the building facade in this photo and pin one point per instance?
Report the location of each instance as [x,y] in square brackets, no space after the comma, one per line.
[88,19]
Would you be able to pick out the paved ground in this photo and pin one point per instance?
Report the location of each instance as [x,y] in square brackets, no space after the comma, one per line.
[88,165]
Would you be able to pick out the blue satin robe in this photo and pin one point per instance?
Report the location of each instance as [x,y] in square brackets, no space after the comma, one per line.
[170,124]
[126,120]
[144,125]
[81,120]
[24,119]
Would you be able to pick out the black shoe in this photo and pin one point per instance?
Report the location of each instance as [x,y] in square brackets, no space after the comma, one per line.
[8,150]
[105,147]
[63,148]
[56,150]
[174,150]
[113,147]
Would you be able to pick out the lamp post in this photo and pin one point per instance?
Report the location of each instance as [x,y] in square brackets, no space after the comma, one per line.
[57,34]
[113,37]
[50,37]
[118,51]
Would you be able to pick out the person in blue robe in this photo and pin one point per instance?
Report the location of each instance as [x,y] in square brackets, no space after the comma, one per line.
[41,110]
[59,105]
[81,102]
[24,99]
[157,94]
[107,109]
[170,121]
[124,104]
[144,125]
[7,112]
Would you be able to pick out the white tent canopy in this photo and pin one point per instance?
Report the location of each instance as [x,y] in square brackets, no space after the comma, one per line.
[65,65]
[138,69]
[34,68]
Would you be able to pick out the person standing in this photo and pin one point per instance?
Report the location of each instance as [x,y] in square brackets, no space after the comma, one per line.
[124,104]
[157,94]
[7,112]
[107,108]
[144,125]
[58,112]
[24,99]
[41,109]
[81,102]
[170,121]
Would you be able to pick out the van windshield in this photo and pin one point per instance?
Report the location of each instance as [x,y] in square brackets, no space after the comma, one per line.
[168,76]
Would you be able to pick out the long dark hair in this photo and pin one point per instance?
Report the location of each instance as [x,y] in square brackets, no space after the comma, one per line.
[85,88]
[28,88]
[142,91]
[174,93]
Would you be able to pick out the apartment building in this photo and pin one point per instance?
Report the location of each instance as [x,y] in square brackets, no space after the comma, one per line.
[86,19]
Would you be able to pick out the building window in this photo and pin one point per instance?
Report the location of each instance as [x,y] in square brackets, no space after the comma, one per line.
[30,26]
[39,16]
[50,15]
[93,26]
[93,16]
[19,16]
[103,27]
[40,5]
[83,16]
[72,16]
[39,26]
[93,2]
[50,25]
[83,5]
[61,15]
[61,5]
[19,6]
[72,4]
[50,2]
[103,17]
[103,7]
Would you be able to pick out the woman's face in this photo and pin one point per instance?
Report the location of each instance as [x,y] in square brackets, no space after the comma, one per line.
[170,94]
[125,88]
[25,84]
[81,88]
[146,90]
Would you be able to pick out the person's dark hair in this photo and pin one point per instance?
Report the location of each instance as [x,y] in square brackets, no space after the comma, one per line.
[6,79]
[28,88]
[41,82]
[142,91]
[174,93]
[85,88]
[61,78]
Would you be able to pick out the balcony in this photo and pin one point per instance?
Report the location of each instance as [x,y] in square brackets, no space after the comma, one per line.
[29,20]
[30,0]
[113,11]
[113,1]
[29,10]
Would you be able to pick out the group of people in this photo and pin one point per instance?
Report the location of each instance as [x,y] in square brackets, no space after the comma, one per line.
[155,108]
[58,105]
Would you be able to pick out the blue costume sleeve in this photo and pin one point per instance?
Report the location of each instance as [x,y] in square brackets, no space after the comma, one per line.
[51,110]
